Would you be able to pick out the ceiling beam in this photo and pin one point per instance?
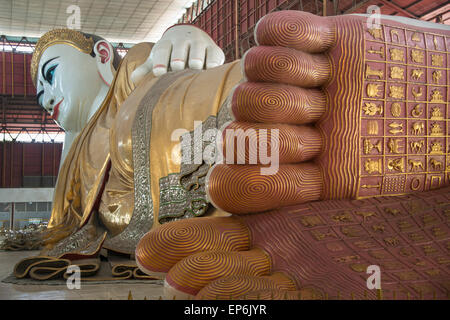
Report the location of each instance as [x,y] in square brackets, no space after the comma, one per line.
[435,12]
[353,8]
[400,9]
[412,4]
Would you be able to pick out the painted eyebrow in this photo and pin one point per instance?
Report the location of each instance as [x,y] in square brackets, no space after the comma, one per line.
[45,64]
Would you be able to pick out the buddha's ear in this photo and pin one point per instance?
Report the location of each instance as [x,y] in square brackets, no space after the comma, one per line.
[104,55]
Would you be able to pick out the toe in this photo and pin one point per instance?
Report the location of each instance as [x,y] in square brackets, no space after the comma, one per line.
[163,247]
[287,66]
[296,29]
[193,273]
[244,189]
[239,286]
[257,143]
[277,103]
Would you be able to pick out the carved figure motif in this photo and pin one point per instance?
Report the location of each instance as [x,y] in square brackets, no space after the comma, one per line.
[396,164]
[416,111]
[417,128]
[373,166]
[416,146]
[416,94]
[397,55]
[415,164]
[416,74]
[374,72]
[417,56]
[436,164]
[396,92]
[437,75]
[396,109]
[372,109]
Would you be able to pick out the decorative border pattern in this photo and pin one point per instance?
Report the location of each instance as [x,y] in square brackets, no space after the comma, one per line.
[405,112]
[183,195]
[143,216]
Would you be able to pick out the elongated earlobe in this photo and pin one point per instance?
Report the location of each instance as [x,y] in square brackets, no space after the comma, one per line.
[103,50]
[104,53]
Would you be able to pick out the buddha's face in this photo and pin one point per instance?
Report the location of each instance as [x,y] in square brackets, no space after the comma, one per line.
[68,82]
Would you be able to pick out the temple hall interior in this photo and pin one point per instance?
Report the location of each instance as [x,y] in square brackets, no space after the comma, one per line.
[31,141]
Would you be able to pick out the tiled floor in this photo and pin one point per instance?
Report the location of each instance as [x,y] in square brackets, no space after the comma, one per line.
[10,291]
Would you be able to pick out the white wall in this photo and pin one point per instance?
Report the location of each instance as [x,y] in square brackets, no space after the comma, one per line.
[26,194]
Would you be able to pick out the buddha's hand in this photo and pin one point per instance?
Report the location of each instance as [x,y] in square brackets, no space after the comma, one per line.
[181,47]
[340,110]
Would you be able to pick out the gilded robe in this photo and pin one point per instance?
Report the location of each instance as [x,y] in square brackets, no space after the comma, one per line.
[123,174]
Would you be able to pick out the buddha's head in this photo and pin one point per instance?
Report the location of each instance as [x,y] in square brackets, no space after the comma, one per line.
[70,69]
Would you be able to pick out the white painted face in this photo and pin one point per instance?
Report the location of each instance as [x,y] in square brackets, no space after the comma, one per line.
[68,84]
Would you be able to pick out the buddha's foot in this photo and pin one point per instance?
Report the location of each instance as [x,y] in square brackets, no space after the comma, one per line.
[340,110]
[353,112]
[320,250]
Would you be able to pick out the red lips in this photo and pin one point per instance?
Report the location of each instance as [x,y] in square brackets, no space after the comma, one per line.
[55,113]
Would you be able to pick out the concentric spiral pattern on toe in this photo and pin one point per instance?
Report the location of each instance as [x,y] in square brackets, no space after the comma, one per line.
[257,143]
[191,274]
[296,29]
[288,66]
[242,189]
[238,286]
[163,247]
[277,103]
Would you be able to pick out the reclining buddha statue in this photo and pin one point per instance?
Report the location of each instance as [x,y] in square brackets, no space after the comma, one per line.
[322,154]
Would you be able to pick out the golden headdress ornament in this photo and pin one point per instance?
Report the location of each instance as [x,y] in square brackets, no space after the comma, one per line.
[71,37]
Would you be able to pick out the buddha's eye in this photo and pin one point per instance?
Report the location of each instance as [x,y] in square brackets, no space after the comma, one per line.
[49,74]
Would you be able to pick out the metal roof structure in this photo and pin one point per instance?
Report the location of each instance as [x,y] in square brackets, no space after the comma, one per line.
[116,20]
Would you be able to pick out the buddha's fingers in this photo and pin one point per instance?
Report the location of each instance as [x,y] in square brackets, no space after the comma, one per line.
[160,57]
[214,57]
[193,273]
[197,54]
[285,65]
[179,56]
[163,247]
[258,143]
[244,189]
[295,29]
[238,286]
[277,103]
